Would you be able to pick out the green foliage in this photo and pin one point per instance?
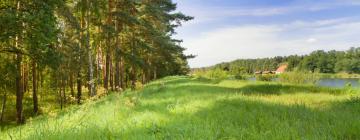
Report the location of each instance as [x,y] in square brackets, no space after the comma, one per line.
[241,77]
[65,45]
[198,73]
[349,89]
[317,61]
[299,78]
[217,74]
[265,77]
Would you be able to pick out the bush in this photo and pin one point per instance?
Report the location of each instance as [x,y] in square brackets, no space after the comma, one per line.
[299,78]
[240,77]
[349,89]
[217,74]
[265,77]
[199,73]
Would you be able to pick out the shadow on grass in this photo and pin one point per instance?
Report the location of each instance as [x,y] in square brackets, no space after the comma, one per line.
[258,89]
[235,118]
[203,85]
[238,119]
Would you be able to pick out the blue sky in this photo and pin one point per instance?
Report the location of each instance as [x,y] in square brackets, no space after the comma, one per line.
[225,30]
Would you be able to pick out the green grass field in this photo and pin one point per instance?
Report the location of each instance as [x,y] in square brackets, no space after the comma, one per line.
[190,108]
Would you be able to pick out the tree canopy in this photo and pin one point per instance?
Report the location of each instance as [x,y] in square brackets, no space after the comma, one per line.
[57,44]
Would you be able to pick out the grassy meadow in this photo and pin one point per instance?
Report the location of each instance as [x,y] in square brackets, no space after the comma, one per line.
[200,108]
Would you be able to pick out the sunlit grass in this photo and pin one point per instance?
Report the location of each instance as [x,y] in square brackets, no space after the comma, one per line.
[190,108]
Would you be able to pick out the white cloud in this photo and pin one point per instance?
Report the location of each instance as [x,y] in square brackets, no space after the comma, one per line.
[221,42]
[258,41]
[311,40]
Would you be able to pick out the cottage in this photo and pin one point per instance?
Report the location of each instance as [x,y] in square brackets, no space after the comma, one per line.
[281,69]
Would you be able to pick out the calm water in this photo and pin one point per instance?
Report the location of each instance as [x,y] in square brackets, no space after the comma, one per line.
[332,82]
[338,82]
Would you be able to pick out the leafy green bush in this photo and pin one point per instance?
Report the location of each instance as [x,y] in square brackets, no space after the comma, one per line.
[299,78]
[265,77]
[240,77]
[199,73]
[217,74]
[349,89]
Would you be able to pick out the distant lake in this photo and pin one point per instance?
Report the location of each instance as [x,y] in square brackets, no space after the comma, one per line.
[338,82]
[331,82]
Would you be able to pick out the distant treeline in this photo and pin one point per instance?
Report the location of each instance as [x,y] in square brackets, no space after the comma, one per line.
[317,61]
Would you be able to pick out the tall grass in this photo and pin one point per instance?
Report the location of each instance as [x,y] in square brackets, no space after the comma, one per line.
[299,78]
[211,76]
[191,108]
[265,77]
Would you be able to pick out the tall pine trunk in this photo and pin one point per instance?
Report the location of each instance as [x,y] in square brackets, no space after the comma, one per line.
[71,84]
[111,80]
[3,106]
[122,85]
[19,90]
[59,86]
[25,77]
[117,75]
[155,74]
[79,85]
[64,90]
[107,71]
[133,77]
[34,86]
[18,79]
[91,81]
[108,43]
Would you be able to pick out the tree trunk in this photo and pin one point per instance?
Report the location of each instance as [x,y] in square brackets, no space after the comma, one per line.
[92,91]
[34,86]
[60,93]
[71,84]
[19,91]
[64,90]
[99,58]
[155,74]
[122,74]
[3,107]
[25,77]
[18,79]
[148,74]
[107,71]
[108,43]
[127,78]
[143,77]
[117,75]
[133,78]
[111,76]
[79,88]
[91,81]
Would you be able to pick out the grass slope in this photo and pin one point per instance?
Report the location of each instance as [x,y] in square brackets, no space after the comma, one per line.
[187,108]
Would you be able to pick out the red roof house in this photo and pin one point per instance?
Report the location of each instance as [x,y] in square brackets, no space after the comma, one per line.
[281,69]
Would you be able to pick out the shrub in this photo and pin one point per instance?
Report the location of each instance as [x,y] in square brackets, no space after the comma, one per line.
[265,77]
[199,73]
[240,77]
[299,78]
[217,74]
[349,89]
